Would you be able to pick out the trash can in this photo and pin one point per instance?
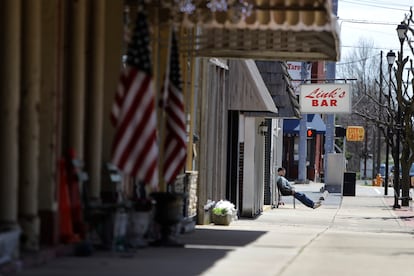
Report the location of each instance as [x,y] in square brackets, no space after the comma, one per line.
[349,184]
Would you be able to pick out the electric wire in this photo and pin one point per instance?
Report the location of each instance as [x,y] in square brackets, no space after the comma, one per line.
[356,61]
[376,5]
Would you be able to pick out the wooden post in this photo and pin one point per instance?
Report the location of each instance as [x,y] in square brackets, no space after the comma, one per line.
[29,124]
[9,106]
[161,41]
[50,118]
[95,100]
[77,75]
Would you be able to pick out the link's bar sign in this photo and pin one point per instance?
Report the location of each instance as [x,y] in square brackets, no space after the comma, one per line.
[325,98]
[355,133]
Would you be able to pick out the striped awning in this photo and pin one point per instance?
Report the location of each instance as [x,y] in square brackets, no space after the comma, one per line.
[283,30]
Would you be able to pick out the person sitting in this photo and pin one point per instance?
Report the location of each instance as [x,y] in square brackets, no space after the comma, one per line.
[287,190]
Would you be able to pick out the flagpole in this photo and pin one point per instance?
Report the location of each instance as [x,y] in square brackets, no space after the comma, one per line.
[162,119]
[157,63]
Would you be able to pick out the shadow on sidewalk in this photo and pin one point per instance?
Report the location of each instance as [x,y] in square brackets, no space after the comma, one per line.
[210,236]
[203,248]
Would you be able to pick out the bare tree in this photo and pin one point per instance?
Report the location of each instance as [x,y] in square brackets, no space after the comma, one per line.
[366,104]
[403,86]
[362,64]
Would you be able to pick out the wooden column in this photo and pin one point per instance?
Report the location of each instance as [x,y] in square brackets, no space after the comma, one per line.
[77,75]
[95,98]
[204,189]
[29,123]
[112,59]
[9,106]
[50,118]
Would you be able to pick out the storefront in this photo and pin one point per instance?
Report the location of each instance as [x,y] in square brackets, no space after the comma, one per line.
[62,61]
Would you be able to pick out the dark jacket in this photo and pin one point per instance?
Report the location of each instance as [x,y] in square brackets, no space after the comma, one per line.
[284,186]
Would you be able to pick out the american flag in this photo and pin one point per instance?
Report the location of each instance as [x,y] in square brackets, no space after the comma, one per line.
[175,148]
[135,149]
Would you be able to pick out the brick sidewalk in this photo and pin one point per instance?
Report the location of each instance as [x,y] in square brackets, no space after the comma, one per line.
[405,213]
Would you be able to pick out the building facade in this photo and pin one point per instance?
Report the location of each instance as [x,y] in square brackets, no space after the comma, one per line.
[61,62]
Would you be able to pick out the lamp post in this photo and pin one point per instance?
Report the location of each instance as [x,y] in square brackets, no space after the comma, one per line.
[401,31]
[390,61]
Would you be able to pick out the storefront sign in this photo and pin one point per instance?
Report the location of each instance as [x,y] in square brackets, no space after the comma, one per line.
[296,73]
[355,133]
[325,98]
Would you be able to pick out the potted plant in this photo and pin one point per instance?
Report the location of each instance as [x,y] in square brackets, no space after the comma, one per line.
[139,221]
[223,212]
[168,212]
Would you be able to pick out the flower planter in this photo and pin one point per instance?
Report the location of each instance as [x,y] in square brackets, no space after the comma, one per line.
[139,222]
[168,212]
[221,219]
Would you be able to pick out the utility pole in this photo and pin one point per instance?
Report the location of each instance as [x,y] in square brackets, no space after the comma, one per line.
[302,171]
[365,152]
[379,120]
[330,118]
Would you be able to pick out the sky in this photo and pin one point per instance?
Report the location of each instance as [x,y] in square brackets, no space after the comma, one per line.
[371,20]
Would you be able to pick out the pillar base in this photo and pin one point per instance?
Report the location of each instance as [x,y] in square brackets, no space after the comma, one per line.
[30,239]
[48,228]
[9,244]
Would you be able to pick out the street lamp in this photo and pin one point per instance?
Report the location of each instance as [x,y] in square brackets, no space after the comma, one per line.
[401,31]
[390,60]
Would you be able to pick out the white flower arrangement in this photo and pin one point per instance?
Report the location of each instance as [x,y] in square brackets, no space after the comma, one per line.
[224,207]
